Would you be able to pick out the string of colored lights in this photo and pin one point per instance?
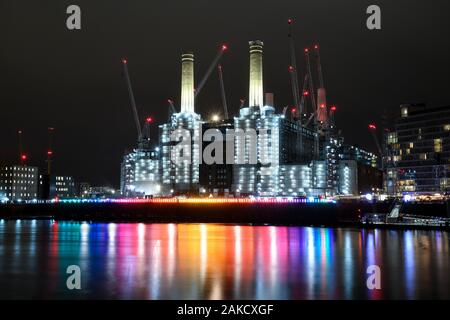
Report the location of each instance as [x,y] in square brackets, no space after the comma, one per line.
[199,200]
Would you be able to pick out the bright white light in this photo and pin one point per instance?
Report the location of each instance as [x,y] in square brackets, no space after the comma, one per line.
[369,197]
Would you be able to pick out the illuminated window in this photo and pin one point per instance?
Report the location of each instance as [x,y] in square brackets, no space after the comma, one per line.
[404,112]
[437,145]
[392,138]
[447,127]
[411,145]
[423,156]
[408,151]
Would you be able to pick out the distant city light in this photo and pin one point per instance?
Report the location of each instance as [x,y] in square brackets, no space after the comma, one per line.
[407,198]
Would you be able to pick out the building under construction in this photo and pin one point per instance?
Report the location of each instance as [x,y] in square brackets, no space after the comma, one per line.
[298,152]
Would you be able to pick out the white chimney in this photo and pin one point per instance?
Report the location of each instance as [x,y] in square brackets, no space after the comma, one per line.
[187,82]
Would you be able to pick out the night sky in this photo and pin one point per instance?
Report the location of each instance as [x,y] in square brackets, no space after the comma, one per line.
[72,80]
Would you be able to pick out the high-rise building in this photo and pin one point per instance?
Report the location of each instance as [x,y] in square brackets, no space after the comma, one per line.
[418,150]
[19,182]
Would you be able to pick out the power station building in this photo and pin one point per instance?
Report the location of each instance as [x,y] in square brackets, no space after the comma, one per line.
[180,139]
[140,174]
[272,154]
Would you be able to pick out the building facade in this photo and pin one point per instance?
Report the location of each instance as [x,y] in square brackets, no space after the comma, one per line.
[180,140]
[418,150]
[140,173]
[19,182]
[216,178]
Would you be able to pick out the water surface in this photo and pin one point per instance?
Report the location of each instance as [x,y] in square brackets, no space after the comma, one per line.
[211,261]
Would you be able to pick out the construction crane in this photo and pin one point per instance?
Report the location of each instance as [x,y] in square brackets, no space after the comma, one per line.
[144,143]
[50,150]
[222,91]
[332,113]
[313,103]
[293,68]
[373,131]
[132,100]
[310,80]
[172,109]
[210,69]
[321,93]
[22,156]
[305,93]
[319,66]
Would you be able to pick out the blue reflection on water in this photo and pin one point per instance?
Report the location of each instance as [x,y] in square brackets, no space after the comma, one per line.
[176,261]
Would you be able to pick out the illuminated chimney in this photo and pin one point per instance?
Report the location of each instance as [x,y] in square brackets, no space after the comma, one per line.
[187,82]
[256,95]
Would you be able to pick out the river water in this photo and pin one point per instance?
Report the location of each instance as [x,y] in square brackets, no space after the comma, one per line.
[213,261]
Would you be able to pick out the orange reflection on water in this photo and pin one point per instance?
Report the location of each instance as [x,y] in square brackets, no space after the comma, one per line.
[212,261]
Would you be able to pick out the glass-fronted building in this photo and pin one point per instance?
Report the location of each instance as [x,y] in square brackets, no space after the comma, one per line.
[419,150]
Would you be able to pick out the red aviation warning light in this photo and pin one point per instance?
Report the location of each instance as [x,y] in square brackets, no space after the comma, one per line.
[23,157]
[149,119]
[305,93]
[316,46]
[291,69]
[306,50]
[372,126]
[322,106]
[224,47]
[333,108]
[49,153]
[290,21]
[124,61]
[293,110]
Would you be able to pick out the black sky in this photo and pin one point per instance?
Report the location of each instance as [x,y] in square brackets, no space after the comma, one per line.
[71,80]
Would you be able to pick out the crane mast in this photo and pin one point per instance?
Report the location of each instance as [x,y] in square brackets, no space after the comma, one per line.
[50,150]
[222,91]
[304,93]
[319,67]
[293,69]
[210,69]
[132,100]
[321,93]
[22,155]
[310,81]
[373,129]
